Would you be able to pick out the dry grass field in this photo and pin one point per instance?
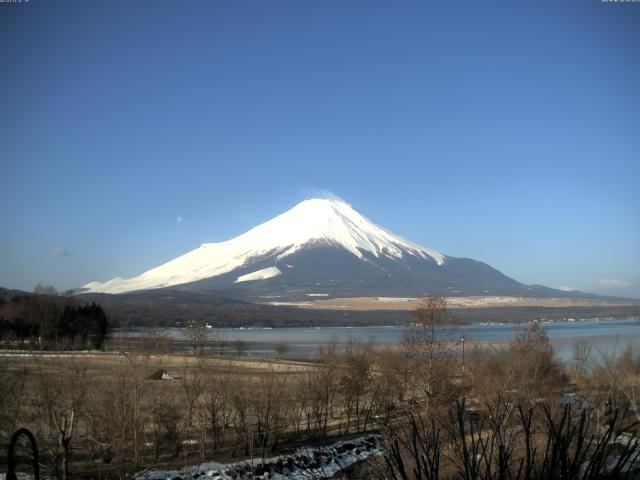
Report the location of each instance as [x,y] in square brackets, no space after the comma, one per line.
[122,417]
[97,365]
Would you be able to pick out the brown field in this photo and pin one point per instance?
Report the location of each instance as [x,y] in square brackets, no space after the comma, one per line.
[92,384]
[103,364]
[394,303]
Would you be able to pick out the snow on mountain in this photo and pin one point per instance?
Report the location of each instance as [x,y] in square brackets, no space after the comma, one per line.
[316,221]
[262,274]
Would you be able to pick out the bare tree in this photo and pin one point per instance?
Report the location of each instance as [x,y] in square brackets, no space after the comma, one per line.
[582,356]
[271,410]
[61,399]
[523,370]
[197,336]
[536,369]
[240,346]
[12,383]
[389,383]
[217,405]
[221,341]
[355,378]
[120,408]
[281,349]
[429,343]
[193,386]
[619,378]
[165,424]
[323,385]
[542,443]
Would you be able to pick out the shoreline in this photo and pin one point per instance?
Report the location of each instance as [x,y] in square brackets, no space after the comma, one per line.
[349,327]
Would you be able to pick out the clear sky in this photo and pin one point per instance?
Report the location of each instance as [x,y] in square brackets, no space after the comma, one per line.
[508,132]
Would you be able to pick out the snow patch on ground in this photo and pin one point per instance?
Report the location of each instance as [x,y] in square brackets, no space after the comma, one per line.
[395,299]
[305,464]
[480,301]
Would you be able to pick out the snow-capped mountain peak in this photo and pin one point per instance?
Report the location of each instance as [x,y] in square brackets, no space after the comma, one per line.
[335,222]
[316,221]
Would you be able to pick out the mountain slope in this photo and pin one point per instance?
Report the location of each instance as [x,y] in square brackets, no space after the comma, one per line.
[312,222]
[328,271]
[321,247]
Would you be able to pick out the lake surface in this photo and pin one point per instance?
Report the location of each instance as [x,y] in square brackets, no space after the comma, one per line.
[608,336]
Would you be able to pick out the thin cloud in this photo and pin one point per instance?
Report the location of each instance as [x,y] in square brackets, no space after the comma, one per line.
[61,252]
[179,219]
[614,283]
[312,192]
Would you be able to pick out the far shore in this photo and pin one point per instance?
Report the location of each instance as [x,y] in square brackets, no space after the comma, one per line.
[488,301]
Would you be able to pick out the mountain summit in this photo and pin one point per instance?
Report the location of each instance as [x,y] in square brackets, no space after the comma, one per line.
[321,247]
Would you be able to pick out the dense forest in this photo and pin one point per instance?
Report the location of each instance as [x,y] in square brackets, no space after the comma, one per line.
[51,322]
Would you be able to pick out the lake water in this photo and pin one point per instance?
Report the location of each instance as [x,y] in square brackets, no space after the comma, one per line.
[609,336]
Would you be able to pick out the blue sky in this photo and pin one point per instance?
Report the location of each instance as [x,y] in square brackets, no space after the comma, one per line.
[508,132]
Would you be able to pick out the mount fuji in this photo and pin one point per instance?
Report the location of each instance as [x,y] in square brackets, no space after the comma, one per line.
[321,248]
